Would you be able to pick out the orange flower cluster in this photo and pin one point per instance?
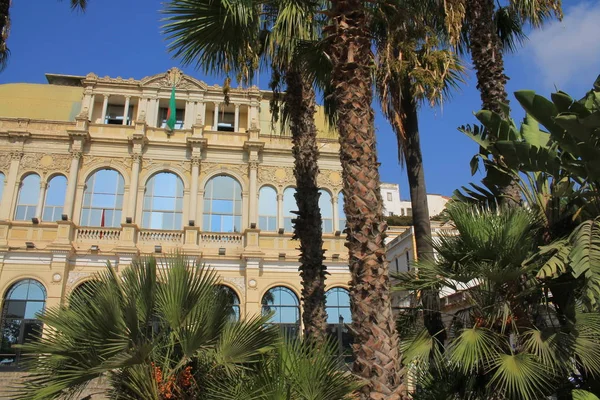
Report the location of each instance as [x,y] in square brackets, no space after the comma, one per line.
[173,387]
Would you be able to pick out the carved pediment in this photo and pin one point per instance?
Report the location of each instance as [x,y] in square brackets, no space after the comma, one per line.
[173,77]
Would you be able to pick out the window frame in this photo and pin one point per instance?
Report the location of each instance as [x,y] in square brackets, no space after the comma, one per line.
[176,197]
[119,184]
[30,209]
[209,214]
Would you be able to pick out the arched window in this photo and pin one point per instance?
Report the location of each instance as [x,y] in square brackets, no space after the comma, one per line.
[103,199]
[163,202]
[326,211]
[222,205]
[29,194]
[289,205]
[83,292]
[341,213]
[284,305]
[1,185]
[337,306]
[233,300]
[22,304]
[267,209]
[55,198]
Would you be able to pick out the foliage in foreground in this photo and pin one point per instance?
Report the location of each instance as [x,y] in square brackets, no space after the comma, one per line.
[164,330]
[511,339]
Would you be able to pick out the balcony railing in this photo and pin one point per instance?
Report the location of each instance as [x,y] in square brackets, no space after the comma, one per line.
[155,236]
[98,234]
[234,239]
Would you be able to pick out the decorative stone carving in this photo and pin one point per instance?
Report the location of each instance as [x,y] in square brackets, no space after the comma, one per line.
[5,162]
[238,281]
[123,162]
[16,155]
[209,168]
[44,163]
[75,277]
[173,77]
[330,179]
[278,176]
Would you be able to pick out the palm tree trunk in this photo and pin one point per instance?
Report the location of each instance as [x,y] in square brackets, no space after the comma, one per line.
[300,104]
[4,31]
[411,144]
[487,58]
[376,352]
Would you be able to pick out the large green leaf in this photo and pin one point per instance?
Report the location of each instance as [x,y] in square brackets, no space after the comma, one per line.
[520,376]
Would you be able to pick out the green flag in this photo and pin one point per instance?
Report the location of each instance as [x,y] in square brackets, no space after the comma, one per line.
[172,112]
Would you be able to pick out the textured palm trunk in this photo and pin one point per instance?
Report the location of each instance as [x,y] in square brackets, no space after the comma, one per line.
[486,55]
[4,31]
[432,317]
[300,102]
[376,351]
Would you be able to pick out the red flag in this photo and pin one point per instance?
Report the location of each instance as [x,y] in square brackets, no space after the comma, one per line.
[102,223]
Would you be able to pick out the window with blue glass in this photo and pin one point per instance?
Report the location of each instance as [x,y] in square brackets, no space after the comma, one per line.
[289,205]
[55,198]
[222,205]
[267,209]
[337,306]
[341,213]
[233,301]
[103,199]
[326,211]
[285,309]
[29,194]
[163,202]
[23,303]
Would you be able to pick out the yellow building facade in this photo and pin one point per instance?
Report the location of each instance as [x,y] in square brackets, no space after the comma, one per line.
[90,175]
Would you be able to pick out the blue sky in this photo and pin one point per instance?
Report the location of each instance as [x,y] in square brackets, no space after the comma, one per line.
[123,38]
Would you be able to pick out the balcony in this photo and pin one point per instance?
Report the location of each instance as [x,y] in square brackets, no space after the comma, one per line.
[64,235]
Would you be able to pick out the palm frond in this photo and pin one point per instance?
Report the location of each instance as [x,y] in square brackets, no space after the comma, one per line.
[520,376]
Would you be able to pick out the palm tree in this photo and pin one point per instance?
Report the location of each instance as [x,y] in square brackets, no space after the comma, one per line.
[5,26]
[376,352]
[298,369]
[487,31]
[232,38]
[154,331]
[414,66]
[507,341]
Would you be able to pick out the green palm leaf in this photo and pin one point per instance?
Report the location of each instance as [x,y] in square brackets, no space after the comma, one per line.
[520,376]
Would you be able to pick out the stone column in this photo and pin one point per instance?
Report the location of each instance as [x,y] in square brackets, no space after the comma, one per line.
[280,211]
[253,169]
[104,109]
[248,117]
[142,113]
[72,184]
[91,106]
[41,197]
[336,217]
[136,159]
[192,214]
[11,185]
[126,110]
[190,114]
[203,113]
[156,112]
[216,117]
[236,120]
[200,215]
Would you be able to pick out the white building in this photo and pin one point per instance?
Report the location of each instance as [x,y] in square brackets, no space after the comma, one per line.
[394,205]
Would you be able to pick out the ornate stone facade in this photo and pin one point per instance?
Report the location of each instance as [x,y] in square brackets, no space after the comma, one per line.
[118,127]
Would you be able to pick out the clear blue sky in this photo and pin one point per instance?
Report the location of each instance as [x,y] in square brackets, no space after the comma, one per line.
[123,38]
